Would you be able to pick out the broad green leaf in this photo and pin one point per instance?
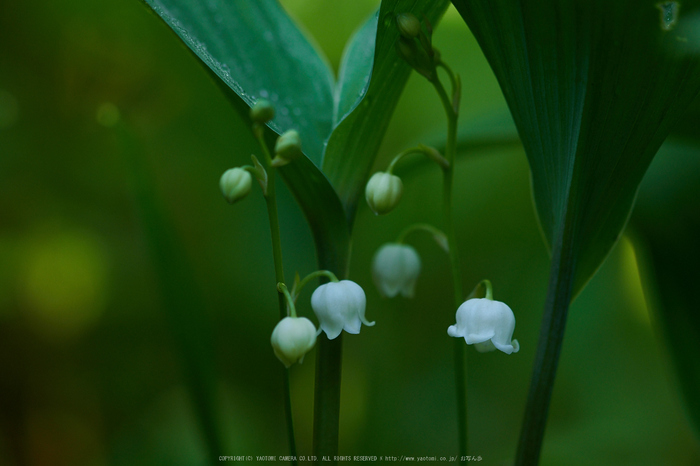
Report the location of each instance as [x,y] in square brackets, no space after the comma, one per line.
[687,127]
[256,51]
[594,88]
[255,48]
[355,141]
[355,69]
[666,226]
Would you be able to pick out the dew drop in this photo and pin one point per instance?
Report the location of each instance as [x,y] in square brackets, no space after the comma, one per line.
[263,93]
[669,14]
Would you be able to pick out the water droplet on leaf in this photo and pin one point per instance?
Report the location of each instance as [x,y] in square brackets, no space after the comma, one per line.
[669,14]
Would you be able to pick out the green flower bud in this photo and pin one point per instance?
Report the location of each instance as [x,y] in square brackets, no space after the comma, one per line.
[292,338]
[262,112]
[383,192]
[406,49]
[408,25]
[287,148]
[235,184]
[416,56]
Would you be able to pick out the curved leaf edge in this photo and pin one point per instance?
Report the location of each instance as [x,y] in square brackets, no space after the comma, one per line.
[307,183]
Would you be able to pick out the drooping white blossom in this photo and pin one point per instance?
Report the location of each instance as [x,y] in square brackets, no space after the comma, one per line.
[395,268]
[486,324]
[340,306]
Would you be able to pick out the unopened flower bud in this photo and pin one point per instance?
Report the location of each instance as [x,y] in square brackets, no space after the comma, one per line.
[262,112]
[395,268]
[235,184]
[383,192]
[406,49]
[287,148]
[292,338]
[408,25]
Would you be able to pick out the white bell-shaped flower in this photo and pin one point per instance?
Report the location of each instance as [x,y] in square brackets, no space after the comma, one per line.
[395,268]
[486,324]
[292,338]
[340,306]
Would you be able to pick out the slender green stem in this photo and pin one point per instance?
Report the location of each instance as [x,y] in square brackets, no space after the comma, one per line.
[329,362]
[484,288]
[319,273]
[429,152]
[547,357]
[448,179]
[282,288]
[329,357]
[418,227]
[450,73]
[271,200]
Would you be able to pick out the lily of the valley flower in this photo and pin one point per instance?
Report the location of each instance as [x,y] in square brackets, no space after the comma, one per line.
[486,324]
[292,338]
[340,306]
[395,268]
[287,148]
[235,184]
[383,192]
[262,112]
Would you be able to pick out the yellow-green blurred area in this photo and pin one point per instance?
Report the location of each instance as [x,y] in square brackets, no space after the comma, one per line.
[90,371]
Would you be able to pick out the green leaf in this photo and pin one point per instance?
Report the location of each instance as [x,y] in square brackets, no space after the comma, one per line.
[666,226]
[255,48]
[256,51]
[594,88]
[355,141]
[355,69]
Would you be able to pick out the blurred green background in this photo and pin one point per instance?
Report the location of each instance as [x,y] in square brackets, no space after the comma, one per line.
[90,373]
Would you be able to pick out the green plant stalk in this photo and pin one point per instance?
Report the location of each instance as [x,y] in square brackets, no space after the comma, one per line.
[271,201]
[319,273]
[327,397]
[448,181]
[329,359]
[544,370]
[179,293]
[418,227]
